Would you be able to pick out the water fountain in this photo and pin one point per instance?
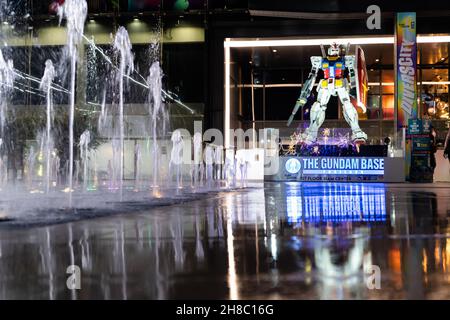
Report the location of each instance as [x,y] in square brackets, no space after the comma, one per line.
[198,158]
[46,86]
[123,45]
[85,140]
[31,161]
[75,13]
[6,86]
[42,197]
[138,164]
[218,153]
[209,161]
[176,158]
[157,114]
[2,174]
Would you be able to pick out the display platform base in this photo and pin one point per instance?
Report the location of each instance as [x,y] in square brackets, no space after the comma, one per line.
[339,169]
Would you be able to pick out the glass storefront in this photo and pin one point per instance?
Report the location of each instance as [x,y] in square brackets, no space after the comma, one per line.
[266,82]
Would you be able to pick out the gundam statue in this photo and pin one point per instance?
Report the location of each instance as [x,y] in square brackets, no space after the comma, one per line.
[335,82]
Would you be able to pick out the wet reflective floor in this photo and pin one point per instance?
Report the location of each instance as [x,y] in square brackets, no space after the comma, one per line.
[274,241]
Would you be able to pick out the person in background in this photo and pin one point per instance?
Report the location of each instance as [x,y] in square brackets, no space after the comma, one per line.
[433,148]
[447,146]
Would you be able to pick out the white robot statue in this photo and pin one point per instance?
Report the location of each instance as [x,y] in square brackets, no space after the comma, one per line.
[335,83]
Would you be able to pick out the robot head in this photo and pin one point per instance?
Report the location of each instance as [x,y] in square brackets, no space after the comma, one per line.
[334,49]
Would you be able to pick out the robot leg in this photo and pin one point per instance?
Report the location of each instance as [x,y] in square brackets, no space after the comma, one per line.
[351,116]
[317,116]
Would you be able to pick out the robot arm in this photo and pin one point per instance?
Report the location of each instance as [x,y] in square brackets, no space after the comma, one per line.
[350,63]
[307,87]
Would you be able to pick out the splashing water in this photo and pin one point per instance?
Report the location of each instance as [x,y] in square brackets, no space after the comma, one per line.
[209,161]
[122,44]
[85,140]
[138,163]
[198,157]
[156,111]
[103,114]
[176,157]
[6,85]
[1,165]
[31,161]
[75,13]
[46,86]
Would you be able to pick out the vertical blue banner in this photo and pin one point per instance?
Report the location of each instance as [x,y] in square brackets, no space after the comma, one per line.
[405,68]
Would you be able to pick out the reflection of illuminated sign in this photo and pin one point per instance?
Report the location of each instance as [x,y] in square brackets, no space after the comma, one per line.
[339,202]
[293,166]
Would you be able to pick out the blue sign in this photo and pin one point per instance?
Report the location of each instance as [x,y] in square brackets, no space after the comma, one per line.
[426,126]
[414,126]
[335,168]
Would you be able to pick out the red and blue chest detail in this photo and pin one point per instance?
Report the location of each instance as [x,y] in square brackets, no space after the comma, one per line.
[333,68]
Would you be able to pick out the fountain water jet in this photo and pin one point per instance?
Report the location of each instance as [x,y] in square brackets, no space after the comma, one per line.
[155,110]
[209,161]
[123,45]
[46,86]
[75,12]
[85,140]
[6,84]
[138,161]
[198,157]
[176,157]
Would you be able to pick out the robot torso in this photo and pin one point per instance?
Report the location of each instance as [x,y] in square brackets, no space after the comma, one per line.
[333,69]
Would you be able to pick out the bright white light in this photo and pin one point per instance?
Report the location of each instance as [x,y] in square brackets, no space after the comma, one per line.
[386,84]
[227,96]
[305,42]
[433,39]
[315,42]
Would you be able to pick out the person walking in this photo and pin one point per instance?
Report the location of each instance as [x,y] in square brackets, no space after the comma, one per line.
[447,146]
[433,147]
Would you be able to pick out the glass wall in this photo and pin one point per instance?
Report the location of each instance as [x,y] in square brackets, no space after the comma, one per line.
[272,78]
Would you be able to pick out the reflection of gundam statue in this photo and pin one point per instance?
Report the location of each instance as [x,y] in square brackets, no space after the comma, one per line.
[335,83]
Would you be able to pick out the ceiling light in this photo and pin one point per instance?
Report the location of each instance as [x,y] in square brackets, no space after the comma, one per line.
[377,60]
[274,50]
[316,42]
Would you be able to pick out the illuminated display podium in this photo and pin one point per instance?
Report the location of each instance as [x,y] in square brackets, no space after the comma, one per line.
[339,169]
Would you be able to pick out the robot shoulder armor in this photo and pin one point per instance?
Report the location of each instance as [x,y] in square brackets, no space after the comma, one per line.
[350,59]
[316,61]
